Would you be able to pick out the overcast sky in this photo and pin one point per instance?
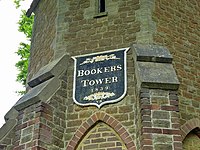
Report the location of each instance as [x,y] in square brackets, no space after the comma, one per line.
[10,38]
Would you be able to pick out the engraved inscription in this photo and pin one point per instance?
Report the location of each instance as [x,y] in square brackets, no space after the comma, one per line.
[100,78]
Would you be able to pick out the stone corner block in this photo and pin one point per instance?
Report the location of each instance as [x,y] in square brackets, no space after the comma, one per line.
[156,75]
[42,92]
[11,114]
[53,69]
[151,53]
[6,128]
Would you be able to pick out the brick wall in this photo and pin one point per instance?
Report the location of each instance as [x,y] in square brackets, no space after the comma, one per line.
[32,130]
[79,32]
[102,137]
[146,118]
[71,27]
[123,112]
[42,125]
[178,29]
[8,142]
[57,123]
[43,38]
[159,120]
[118,129]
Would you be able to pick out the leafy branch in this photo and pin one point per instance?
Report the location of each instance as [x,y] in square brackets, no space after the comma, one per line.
[25,26]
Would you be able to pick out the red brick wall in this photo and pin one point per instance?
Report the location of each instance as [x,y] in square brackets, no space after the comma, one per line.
[160,128]
[32,130]
[178,26]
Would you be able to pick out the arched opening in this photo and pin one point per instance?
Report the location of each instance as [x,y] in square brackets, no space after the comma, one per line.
[101,136]
[110,123]
[192,140]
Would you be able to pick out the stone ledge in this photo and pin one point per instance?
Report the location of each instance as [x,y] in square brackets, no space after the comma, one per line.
[99,15]
[53,69]
[6,128]
[153,67]
[11,114]
[151,53]
[157,75]
[39,93]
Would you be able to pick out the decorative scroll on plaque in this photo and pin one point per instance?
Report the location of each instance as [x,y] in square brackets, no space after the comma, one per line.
[100,78]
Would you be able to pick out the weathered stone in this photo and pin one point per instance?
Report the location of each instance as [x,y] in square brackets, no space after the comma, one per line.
[28,130]
[85,114]
[41,92]
[154,68]
[11,114]
[162,139]
[53,69]
[58,142]
[160,100]
[157,75]
[43,36]
[70,27]
[161,123]
[28,116]
[26,138]
[58,134]
[112,110]
[195,104]
[125,109]
[152,53]
[160,114]
[7,128]
[159,93]
[162,146]
[147,24]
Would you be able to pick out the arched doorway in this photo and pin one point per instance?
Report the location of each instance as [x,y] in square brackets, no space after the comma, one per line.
[192,140]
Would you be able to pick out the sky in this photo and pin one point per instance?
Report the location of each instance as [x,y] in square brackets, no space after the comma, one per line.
[10,38]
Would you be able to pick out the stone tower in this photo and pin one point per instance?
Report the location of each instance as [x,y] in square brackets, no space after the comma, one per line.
[79,47]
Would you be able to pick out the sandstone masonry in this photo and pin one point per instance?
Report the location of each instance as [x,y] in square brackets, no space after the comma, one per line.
[161,108]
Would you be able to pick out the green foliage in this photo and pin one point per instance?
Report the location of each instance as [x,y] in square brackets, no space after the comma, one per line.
[25,26]
[22,64]
[17,3]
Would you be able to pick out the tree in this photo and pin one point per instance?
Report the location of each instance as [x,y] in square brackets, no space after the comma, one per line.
[17,3]
[25,26]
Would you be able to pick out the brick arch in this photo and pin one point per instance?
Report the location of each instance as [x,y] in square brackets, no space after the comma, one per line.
[189,126]
[109,120]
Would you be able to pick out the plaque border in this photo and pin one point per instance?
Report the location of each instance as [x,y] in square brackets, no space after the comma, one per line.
[125,77]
